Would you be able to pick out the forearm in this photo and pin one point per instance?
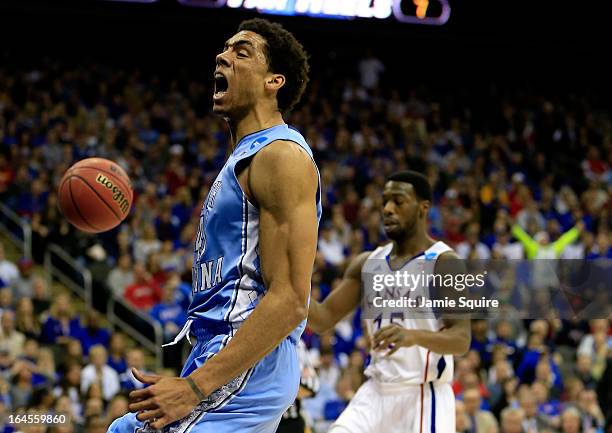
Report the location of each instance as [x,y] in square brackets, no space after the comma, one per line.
[274,318]
[452,341]
[320,319]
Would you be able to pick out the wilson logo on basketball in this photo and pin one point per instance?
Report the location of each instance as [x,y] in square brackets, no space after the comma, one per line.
[118,195]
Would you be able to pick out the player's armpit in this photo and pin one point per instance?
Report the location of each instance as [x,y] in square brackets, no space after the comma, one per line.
[283,181]
[341,301]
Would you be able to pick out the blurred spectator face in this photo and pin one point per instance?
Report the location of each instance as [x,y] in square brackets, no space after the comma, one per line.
[542,238]
[8,322]
[504,330]
[540,392]
[512,421]
[472,401]
[6,297]
[93,319]
[528,403]
[535,342]
[503,370]
[574,386]
[73,375]
[25,307]
[570,421]
[95,391]
[63,307]
[587,399]
[599,326]
[470,380]
[117,344]
[472,233]
[46,362]
[125,263]
[583,364]
[24,374]
[39,288]
[479,328]
[97,355]
[74,349]
[94,406]
[63,405]
[539,327]
[474,357]
[118,407]
[140,273]
[543,371]
[170,287]
[30,349]
[135,358]
[97,424]
[64,428]
[461,419]
[148,232]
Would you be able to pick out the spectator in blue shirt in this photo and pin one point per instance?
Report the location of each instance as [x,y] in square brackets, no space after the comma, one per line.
[169,313]
[93,333]
[116,353]
[135,359]
[62,323]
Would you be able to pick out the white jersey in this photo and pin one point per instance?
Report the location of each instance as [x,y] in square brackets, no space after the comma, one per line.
[409,365]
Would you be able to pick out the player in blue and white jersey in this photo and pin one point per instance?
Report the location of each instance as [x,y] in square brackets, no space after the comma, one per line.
[253,257]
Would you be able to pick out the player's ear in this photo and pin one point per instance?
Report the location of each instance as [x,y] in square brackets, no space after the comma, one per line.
[424,206]
[275,81]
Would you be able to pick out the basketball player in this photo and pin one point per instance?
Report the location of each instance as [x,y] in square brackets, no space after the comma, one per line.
[411,364]
[253,258]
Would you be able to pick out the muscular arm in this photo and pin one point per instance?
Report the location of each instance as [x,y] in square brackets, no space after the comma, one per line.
[344,299]
[453,339]
[283,181]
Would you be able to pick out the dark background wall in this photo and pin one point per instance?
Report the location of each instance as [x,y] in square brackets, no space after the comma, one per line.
[541,43]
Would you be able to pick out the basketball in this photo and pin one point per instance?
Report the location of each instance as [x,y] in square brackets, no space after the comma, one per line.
[95,195]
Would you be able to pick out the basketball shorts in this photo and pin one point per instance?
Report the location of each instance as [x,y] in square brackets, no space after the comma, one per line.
[254,402]
[427,408]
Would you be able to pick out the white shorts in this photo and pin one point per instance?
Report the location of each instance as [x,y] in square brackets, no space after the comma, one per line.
[427,408]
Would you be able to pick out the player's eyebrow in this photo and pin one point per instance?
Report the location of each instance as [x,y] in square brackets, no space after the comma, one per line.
[238,43]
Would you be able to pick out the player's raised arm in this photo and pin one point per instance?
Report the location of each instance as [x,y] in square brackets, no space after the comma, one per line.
[322,316]
[452,339]
[283,181]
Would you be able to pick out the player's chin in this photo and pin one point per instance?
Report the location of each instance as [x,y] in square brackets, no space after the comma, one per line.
[394,232]
[220,109]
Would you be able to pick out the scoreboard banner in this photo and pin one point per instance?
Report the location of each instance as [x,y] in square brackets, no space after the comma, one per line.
[428,12]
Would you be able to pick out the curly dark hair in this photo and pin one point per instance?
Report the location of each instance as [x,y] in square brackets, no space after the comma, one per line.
[285,56]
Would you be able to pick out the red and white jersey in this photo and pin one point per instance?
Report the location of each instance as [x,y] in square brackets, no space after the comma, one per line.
[409,365]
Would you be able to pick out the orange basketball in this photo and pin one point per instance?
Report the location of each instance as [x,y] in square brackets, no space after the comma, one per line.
[95,195]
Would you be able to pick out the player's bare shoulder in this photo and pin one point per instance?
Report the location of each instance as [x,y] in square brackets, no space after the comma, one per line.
[355,266]
[282,171]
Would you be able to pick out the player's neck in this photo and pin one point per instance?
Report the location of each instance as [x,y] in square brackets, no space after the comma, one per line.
[412,245]
[255,120]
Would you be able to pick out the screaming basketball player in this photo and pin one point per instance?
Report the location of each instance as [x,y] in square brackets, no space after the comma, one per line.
[411,364]
[253,258]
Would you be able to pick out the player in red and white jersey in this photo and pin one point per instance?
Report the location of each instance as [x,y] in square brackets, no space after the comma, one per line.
[411,363]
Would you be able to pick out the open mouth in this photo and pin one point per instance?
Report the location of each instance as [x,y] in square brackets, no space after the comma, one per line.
[221,85]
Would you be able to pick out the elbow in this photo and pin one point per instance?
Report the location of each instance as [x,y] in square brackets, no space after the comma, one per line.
[462,347]
[463,344]
[297,309]
[317,326]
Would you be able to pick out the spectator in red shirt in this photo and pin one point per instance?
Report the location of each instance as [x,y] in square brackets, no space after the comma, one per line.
[144,293]
[6,175]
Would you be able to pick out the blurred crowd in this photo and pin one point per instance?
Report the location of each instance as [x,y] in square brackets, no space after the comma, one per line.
[508,169]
